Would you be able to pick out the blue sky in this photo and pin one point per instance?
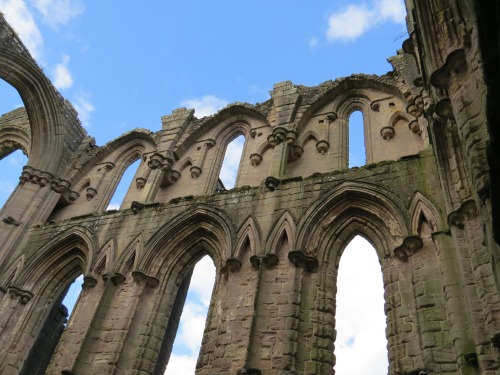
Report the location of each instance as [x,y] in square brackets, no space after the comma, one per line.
[125,64]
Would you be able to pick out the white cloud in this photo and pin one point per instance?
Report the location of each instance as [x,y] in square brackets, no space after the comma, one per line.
[202,282]
[181,364]
[113,206]
[58,12]
[360,347]
[206,105]
[62,76]
[313,42]
[354,20]
[19,17]
[84,108]
[231,162]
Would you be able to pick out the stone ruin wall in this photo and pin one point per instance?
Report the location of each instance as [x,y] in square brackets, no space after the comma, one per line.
[423,201]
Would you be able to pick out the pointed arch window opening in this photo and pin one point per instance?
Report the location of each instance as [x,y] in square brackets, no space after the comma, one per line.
[55,323]
[228,174]
[360,321]
[192,322]
[356,145]
[123,186]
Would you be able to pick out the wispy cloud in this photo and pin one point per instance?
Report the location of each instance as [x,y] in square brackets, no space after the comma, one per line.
[355,20]
[84,107]
[20,18]
[62,76]
[58,12]
[206,105]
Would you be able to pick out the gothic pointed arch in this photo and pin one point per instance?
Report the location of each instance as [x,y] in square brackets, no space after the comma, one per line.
[370,203]
[105,259]
[14,132]
[130,256]
[421,207]
[283,229]
[198,227]
[248,232]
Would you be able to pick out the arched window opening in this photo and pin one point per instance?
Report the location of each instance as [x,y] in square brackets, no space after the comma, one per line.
[361,344]
[357,148]
[230,165]
[192,322]
[50,334]
[123,186]
[11,167]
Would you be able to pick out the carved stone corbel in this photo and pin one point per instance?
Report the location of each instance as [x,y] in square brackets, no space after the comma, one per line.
[24,296]
[272,183]
[141,278]
[467,211]
[89,282]
[137,207]
[115,277]
[232,265]
[255,159]
[11,221]
[268,260]
[410,245]
[307,262]
[387,132]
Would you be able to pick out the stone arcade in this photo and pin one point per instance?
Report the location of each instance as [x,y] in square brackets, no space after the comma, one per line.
[428,201]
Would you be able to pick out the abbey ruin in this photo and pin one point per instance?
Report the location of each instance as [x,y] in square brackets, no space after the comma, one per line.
[428,200]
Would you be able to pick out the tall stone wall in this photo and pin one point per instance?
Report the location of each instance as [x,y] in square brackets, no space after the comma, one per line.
[423,200]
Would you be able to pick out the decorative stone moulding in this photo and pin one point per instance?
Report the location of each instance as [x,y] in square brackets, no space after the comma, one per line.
[409,247]
[195,172]
[137,207]
[115,277]
[90,193]
[232,265]
[455,64]
[413,110]
[291,136]
[35,176]
[158,161]
[408,45]
[269,260]
[296,152]
[59,185]
[11,221]
[255,159]
[467,211]
[73,196]
[169,178]
[443,108]
[387,132]
[272,183]
[322,147]
[89,282]
[141,278]
[24,296]
[140,182]
[307,262]
[414,127]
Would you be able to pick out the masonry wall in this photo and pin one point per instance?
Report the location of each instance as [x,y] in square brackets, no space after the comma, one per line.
[423,200]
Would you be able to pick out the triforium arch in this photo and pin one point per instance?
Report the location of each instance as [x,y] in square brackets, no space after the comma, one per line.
[36,294]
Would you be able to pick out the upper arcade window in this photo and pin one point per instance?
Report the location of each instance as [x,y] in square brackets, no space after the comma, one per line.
[11,167]
[357,148]
[229,171]
[124,185]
